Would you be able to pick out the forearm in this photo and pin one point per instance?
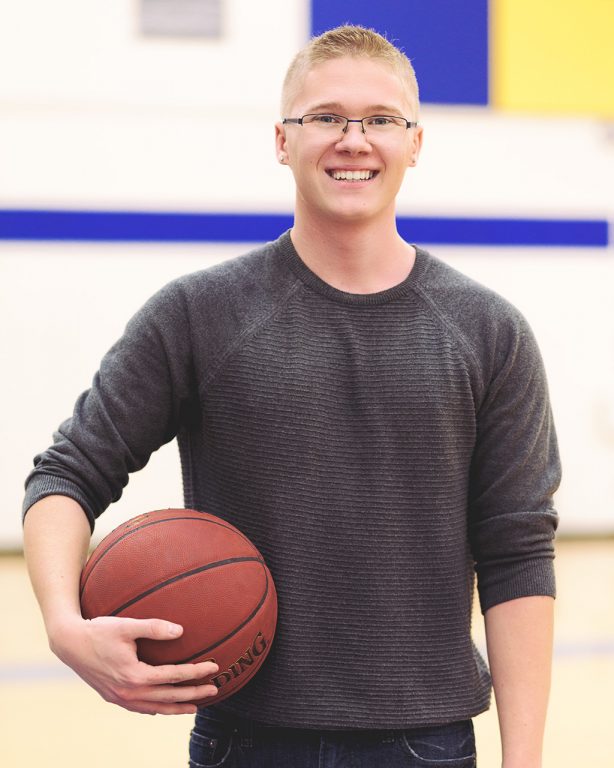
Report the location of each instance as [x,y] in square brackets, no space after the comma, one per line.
[102,651]
[519,639]
[56,540]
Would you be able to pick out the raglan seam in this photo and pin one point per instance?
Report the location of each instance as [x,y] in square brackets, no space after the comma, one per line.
[252,329]
[453,332]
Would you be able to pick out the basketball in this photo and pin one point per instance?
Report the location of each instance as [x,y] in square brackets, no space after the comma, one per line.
[194,569]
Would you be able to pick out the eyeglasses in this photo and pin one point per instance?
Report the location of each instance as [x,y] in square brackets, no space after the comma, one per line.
[377,124]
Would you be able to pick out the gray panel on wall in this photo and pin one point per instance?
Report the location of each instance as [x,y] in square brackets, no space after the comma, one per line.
[182,18]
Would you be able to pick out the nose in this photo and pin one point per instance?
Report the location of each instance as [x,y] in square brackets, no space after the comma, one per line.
[354,139]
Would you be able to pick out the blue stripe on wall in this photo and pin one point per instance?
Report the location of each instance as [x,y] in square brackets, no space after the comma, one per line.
[129,226]
[161,227]
[447,41]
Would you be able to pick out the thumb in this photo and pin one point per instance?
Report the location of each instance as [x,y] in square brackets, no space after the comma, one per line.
[154,629]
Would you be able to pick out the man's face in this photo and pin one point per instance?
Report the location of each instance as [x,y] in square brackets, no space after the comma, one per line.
[354,88]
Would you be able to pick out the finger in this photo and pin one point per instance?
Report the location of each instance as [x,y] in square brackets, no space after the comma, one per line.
[161,695]
[179,673]
[176,694]
[157,708]
[152,629]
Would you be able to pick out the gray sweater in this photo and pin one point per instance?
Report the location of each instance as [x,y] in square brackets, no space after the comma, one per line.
[378,449]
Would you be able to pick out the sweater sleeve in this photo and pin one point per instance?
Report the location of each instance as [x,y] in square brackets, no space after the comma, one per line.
[135,404]
[515,472]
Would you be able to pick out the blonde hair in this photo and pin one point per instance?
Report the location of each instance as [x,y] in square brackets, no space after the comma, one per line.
[348,40]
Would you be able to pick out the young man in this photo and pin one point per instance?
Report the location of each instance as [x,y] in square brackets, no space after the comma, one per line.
[375,422]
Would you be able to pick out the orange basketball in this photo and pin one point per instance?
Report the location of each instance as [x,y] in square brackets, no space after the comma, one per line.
[193,569]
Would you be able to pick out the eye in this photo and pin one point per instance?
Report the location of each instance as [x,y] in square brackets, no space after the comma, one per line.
[327,119]
[381,121]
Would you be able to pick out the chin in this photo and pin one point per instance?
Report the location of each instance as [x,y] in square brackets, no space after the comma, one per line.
[355,214]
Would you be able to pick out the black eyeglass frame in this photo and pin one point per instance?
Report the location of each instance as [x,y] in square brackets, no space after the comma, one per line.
[299,120]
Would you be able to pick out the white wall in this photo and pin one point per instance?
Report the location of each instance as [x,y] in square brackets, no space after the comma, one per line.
[94,116]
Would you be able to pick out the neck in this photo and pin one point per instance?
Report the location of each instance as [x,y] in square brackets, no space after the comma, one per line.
[356,257]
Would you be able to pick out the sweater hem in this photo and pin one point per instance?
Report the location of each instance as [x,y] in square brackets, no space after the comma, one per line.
[331,723]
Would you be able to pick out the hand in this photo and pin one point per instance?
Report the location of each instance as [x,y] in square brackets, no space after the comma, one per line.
[102,652]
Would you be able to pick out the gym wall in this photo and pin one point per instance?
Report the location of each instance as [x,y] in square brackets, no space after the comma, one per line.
[514,187]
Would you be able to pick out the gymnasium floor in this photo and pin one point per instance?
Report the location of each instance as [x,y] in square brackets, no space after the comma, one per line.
[49,718]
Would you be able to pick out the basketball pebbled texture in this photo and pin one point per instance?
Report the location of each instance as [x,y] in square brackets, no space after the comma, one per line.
[194,569]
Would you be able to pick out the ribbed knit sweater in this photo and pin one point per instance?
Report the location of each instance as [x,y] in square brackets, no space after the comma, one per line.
[378,449]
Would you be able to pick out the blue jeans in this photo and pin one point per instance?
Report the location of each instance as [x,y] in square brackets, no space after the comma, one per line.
[218,739]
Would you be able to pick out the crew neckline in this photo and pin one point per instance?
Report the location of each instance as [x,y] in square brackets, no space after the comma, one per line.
[291,257]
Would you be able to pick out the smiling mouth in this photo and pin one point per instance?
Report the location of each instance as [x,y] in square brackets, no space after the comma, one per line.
[358,175]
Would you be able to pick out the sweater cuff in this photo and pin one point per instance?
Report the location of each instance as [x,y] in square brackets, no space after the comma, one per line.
[527,578]
[42,485]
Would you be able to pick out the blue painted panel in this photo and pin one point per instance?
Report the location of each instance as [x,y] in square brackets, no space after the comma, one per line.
[446,40]
[129,226]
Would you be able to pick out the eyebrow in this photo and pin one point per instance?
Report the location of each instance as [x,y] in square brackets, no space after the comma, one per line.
[374,109]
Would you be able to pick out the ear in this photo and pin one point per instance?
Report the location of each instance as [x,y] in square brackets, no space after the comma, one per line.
[415,145]
[280,140]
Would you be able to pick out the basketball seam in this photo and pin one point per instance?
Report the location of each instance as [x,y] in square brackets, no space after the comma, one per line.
[181,576]
[236,629]
[93,565]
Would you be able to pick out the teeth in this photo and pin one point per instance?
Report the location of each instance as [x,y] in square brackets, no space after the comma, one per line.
[352,175]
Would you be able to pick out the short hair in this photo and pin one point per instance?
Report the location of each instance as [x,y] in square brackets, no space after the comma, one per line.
[348,40]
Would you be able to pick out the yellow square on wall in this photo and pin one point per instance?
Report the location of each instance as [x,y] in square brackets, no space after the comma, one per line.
[553,56]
